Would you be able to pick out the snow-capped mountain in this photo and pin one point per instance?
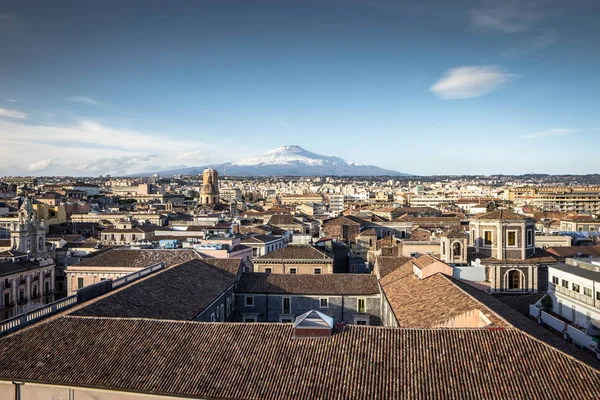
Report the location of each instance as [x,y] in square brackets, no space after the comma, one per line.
[290,161]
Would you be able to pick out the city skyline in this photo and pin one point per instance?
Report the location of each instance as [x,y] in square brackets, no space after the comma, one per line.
[475,88]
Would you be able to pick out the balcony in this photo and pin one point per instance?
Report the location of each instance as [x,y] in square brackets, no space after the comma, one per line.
[22,281]
[35,278]
[573,295]
[7,284]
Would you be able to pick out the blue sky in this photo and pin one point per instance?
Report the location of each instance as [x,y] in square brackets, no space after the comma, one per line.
[474,87]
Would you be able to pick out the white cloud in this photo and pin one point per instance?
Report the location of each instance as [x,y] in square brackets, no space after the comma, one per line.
[471,81]
[506,16]
[550,133]
[12,100]
[12,114]
[40,165]
[90,148]
[84,99]
[192,155]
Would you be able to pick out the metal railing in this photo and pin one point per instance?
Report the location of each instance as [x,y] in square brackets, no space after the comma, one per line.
[28,318]
[573,294]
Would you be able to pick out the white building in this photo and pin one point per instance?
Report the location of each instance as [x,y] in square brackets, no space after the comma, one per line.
[575,290]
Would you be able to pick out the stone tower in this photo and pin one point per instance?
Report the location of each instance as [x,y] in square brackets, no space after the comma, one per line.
[27,234]
[209,193]
[453,246]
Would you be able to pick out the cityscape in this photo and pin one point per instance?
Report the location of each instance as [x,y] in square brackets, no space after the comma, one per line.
[344,199]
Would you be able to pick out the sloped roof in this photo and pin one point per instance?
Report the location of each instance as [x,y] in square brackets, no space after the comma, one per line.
[324,284]
[139,258]
[429,302]
[265,361]
[295,252]
[177,293]
[502,215]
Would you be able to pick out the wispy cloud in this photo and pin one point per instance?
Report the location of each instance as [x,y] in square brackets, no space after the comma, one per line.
[550,133]
[40,165]
[12,100]
[89,148]
[506,16]
[12,114]
[471,81]
[545,38]
[84,99]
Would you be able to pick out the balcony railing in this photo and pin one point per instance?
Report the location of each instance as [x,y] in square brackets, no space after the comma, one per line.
[573,294]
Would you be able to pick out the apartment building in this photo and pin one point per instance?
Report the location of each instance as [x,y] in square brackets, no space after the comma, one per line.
[295,259]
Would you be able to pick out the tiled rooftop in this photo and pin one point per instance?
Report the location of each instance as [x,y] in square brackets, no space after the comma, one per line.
[264,361]
[178,293]
[295,252]
[325,284]
[139,258]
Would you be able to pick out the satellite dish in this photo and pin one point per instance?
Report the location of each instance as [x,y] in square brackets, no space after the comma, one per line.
[477,261]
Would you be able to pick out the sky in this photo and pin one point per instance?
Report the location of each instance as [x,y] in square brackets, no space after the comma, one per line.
[421,87]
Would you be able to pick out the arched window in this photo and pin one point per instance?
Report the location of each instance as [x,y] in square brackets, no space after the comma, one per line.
[514,280]
[41,244]
[456,249]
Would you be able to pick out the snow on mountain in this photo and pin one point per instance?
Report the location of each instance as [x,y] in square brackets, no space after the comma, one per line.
[291,155]
[290,161]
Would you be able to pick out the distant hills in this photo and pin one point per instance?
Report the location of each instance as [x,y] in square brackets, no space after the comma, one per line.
[288,161]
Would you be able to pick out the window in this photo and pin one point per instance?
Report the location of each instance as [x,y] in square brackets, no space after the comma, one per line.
[529,237]
[212,317]
[514,280]
[217,311]
[555,280]
[285,320]
[598,296]
[565,284]
[249,319]
[361,322]
[324,302]
[286,305]
[575,287]
[268,270]
[293,271]
[487,238]
[511,238]
[317,271]
[102,279]
[233,302]
[228,306]
[362,305]
[79,283]
[587,292]
[249,301]
[222,313]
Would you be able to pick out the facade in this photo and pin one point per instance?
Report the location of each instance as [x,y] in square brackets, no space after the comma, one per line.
[352,298]
[504,243]
[295,259]
[24,284]
[574,287]
[580,225]
[114,264]
[263,244]
[126,232]
[209,193]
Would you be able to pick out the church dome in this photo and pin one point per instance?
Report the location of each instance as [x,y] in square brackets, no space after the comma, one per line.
[209,188]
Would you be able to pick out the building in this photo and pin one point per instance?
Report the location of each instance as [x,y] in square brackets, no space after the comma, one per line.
[263,244]
[149,359]
[24,284]
[295,259]
[127,232]
[114,264]
[209,193]
[230,195]
[454,248]
[195,290]
[504,243]
[580,224]
[283,297]
[574,287]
